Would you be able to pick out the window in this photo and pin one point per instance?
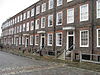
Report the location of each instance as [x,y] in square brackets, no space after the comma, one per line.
[98,37]
[21,17]
[98,8]
[59,18]
[70,15]
[84,12]
[15,20]
[18,19]
[59,39]
[50,39]
[43,7]
[69,0]
[50,20]
[37,24]
[43,21]
[23,27]
[17,29]
[36,39]
[27,27]
[31,40]
[24,16]
[59,2]
[32,12]
[20,28]
[19,40]
[37,10]
[32,25]
[28,14]
[23,40]
[51,4]
[84,38]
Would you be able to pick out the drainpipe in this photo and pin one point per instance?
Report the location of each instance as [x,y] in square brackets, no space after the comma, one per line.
[92,23]
[54,23]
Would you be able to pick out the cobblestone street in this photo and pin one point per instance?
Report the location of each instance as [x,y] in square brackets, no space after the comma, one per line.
[17,65]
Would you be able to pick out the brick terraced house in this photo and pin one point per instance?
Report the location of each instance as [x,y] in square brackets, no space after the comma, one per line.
[58,28]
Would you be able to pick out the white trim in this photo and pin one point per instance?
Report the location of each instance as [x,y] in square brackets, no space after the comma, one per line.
[97,38]
[36,38]
[68,28]
[88,39]
[57,38]
[40,32]
[49,39]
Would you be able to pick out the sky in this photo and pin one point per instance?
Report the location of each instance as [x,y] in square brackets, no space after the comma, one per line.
[9,8]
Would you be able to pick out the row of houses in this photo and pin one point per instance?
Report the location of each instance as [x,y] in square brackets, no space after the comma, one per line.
[55,25]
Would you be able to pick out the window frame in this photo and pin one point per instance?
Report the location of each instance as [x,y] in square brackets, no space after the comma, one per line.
[49,39]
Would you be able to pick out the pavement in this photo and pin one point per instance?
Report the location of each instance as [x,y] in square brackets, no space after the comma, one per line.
[16,65]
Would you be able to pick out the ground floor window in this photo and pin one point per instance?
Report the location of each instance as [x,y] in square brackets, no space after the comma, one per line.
[31,40]
[36,39]
[59,39]
[98,37]
[84,38]
[19,40]
[23,40]
[50,39]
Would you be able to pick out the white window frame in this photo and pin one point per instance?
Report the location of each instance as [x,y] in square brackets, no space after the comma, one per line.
[50,17]
[70,15]
[98,9]
[81,41]
[69,0]
[43,23]
[32,12]
[57,20]
[37,10]
[24,16]
[49,39]
[27,26]
[58,38]
[36,24]
[51,4]
[36,43]
[98,38]
[28,14]
[24,27]
[32,25]
[59,2]
[43,7]
[31,39]
[84,12]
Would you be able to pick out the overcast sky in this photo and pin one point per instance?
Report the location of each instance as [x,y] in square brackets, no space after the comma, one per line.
[9,8]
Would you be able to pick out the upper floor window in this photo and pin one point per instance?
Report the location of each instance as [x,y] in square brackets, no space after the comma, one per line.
[70,15]
[84,12]
[37,24]
[23,27]
[43,7]
[50,20]
[59,2]
[27,26]
[51,3]
[28,14]
[15,20]
[59,39]
[32,12]
[21,17]
[59,18]
[32,25]
[43,22]
[69,0]
[84,38]
[98,9]
[37,10]
[20,28]
[24,16]
[18,19]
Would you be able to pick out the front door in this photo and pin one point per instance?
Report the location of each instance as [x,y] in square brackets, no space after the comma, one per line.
[70,40]
[26,44]
[42,41]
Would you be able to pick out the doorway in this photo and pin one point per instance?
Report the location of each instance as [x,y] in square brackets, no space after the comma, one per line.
[70,40]
[27,42]
[42,44]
